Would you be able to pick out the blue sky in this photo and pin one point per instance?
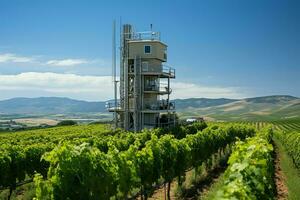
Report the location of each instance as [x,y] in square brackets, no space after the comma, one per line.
[232,48]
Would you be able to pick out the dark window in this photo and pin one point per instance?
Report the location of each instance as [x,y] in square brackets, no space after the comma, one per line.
[147,49]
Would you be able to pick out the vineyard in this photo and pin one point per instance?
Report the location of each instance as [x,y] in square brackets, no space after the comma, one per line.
[280,125]
[95,162]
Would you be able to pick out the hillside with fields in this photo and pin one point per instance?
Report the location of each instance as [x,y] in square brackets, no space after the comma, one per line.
[266,108]
[254,109]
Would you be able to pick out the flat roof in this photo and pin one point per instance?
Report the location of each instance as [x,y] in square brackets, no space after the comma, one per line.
[142,41]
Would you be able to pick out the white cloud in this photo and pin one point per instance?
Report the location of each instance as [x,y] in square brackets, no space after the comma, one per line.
[13,58]
[9,57]
[190,90]
[32,84]
[67,62]
[54,84]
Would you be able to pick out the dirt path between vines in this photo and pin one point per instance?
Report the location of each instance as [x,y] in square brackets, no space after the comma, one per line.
[159,194]
[200,189]
[282,191]
[196,190]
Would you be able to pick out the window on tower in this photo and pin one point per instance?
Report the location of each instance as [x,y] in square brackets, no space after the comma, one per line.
[147,49]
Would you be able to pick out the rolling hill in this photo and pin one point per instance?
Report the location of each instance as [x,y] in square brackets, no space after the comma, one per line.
[254,109]
[49,105]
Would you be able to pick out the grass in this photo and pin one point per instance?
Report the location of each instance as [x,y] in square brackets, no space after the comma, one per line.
[213,189]
[24,192]
[198,184]
[292,174]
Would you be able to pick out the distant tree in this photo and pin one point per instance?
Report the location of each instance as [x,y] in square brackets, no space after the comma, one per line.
[66,123]
[100,122]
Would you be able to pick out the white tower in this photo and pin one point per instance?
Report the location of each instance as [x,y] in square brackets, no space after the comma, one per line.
[144,82]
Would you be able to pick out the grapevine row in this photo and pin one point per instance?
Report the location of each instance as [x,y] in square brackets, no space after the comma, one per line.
[21,153]
[85,172]
[291,143]
[250,171]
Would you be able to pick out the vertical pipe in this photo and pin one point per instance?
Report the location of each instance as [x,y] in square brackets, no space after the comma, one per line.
[127,34]
[168,102]
[121,75]
[135,96]
[126,100]
[142,98]
[141,95]
[114,71]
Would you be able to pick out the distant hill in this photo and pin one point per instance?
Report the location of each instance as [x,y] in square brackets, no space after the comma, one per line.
[49,105]
[258,108]
[201,102]
[254,109]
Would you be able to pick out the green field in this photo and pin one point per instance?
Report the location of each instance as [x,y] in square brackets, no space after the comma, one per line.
[113,160]
[284,125]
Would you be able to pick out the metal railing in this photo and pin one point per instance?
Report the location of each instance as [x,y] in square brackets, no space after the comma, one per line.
[161,105]
[146,35]
[168,70]
[161,124]
[111,105]
[162,88]
[160,69]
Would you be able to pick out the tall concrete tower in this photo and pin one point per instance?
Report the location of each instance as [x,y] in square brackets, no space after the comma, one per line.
[144,100]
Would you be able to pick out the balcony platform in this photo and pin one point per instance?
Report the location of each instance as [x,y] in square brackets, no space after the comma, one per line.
[113,109]
[158,111]
[159,74]
[157,92]
[162,71]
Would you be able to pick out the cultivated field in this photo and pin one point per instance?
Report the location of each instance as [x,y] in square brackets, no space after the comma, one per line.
[190,162]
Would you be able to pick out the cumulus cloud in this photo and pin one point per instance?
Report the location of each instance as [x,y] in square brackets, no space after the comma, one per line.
[183,90]
[13,58]
[67,62]
[9,57]
[32,84]
[54,84]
